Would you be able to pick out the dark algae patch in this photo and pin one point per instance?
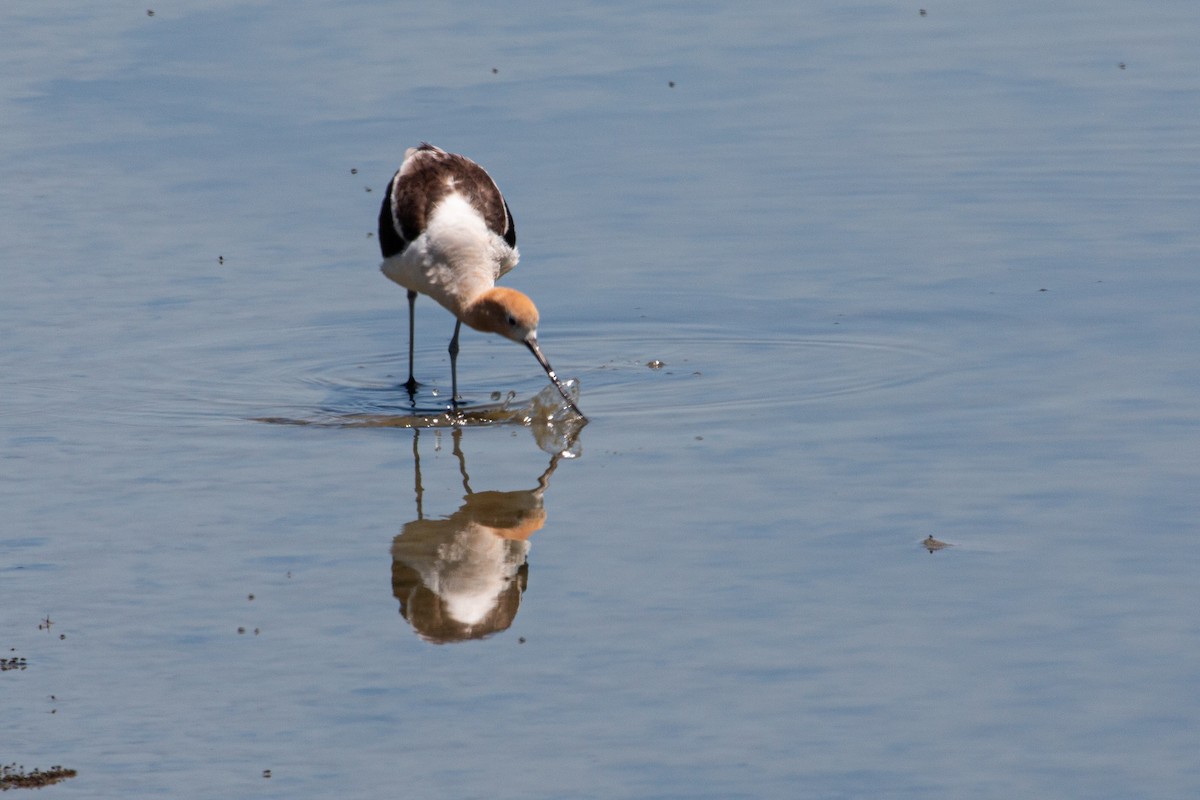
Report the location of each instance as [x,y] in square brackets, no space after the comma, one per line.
[14,776]
[16,662]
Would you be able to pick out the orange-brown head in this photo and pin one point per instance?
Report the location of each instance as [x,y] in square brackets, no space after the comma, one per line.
[514,316]
[504,311]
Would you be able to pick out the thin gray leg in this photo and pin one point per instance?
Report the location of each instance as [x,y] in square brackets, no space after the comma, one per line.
[454,364]
[411,384]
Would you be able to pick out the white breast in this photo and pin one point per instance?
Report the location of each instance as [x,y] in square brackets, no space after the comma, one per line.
[455,259]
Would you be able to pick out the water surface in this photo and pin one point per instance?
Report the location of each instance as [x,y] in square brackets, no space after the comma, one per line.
[906,276]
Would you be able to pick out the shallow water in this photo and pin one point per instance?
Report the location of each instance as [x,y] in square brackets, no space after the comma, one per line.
[906,276]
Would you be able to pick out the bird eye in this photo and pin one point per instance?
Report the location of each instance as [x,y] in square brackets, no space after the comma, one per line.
[511,320]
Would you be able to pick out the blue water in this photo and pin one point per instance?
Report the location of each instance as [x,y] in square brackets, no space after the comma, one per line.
[907,275]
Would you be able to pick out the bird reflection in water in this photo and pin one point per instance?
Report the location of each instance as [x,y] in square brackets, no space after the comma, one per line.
[462,577]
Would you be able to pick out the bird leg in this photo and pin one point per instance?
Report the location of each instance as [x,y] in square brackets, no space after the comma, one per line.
[411,384]
[454,365]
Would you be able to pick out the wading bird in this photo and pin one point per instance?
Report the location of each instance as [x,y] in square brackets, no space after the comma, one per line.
[445,231]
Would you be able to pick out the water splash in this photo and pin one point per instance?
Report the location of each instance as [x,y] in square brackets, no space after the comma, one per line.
[554,425]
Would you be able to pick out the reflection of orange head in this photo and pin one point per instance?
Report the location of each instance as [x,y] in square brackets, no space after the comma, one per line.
[509,515]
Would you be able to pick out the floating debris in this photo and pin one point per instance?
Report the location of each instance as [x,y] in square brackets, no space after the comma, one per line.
[932,544]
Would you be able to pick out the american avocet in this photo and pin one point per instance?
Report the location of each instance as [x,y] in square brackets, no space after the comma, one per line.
[446,231]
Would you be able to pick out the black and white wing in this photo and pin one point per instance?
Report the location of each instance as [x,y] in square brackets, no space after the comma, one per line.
[426,177]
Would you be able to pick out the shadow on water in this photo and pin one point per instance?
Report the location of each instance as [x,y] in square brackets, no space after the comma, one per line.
[462,577]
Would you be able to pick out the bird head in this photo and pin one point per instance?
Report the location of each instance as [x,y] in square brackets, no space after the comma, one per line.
[514,316]
[507,312]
